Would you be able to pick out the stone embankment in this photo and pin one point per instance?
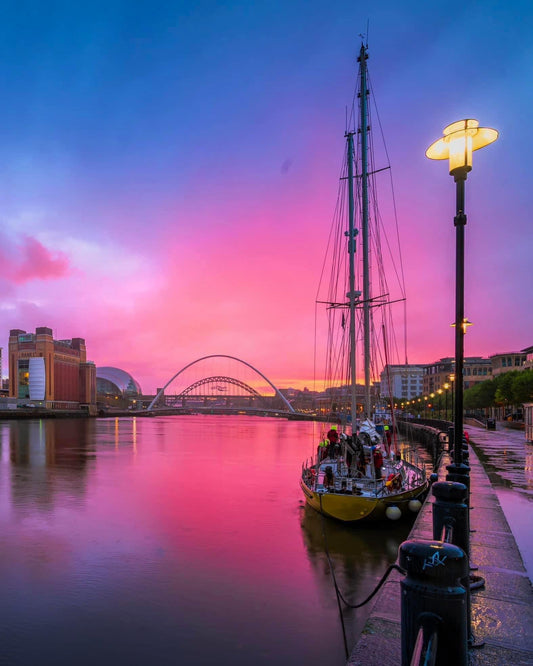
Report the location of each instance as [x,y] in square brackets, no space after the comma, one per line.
[502,611]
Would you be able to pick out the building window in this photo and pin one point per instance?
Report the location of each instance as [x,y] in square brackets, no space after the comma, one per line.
[23,379]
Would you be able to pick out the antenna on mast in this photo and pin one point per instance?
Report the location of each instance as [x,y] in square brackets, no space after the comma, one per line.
[364,36]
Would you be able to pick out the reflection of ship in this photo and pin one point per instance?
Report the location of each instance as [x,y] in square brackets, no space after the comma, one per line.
[359,559]
[358,480]
[375,545]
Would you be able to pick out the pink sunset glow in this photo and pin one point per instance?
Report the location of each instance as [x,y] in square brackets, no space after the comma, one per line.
[172,197]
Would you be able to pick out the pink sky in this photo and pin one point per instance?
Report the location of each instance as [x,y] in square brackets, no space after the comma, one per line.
[166,190]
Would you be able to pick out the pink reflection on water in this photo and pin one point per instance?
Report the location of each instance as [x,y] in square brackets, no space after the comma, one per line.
[181,533]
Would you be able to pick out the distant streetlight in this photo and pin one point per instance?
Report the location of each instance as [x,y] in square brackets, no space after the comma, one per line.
[457,145]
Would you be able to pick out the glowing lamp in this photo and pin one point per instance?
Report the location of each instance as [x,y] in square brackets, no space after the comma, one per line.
[459,142]
[464,326]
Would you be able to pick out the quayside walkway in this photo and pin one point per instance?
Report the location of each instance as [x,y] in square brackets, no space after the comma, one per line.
[502,611]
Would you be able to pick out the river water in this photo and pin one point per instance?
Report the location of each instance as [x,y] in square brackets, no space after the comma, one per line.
[173,540]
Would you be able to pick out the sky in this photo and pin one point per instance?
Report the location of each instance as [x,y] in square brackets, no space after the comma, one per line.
[169,171]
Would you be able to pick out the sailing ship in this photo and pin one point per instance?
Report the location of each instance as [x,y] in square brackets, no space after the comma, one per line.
[358,473]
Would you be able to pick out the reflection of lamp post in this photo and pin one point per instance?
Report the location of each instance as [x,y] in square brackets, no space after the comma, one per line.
[457,145]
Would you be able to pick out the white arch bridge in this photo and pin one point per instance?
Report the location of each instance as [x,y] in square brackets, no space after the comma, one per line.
[205,385]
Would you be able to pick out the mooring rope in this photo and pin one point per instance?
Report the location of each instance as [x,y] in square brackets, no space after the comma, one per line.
[338,593]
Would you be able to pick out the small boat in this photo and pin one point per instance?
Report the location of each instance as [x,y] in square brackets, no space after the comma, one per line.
[359,472]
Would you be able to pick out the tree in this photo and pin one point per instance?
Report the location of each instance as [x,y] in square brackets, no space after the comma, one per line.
[481,395]
[504,391]
[522,387]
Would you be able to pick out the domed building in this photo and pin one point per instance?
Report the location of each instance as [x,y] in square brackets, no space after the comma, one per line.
[116,386]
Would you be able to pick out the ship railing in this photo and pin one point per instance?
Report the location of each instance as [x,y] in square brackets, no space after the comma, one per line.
[375,486]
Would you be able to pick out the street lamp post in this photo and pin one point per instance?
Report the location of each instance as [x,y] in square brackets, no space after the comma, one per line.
[446,387]
[457,145]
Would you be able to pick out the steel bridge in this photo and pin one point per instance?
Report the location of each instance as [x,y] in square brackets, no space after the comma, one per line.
[221,392]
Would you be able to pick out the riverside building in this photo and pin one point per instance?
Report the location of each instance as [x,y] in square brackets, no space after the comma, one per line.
[406,381]
[50,373]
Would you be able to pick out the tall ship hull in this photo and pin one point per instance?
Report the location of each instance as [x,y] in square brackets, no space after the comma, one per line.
[365,500]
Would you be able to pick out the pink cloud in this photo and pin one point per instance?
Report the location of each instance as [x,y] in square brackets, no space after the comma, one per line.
[33,261]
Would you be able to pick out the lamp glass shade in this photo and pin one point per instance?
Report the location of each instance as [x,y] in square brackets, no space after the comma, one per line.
[459,142]
[460,151]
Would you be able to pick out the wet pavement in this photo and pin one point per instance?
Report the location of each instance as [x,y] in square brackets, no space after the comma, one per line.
[508,461]
[506,457]
[502,611]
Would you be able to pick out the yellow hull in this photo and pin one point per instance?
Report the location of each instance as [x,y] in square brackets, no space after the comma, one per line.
[351,508]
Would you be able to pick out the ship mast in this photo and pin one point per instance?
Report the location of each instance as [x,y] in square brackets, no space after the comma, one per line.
[352,295]
[363,93]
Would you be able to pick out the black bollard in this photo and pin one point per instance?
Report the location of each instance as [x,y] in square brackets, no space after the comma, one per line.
[432,586]
[460,474]
[451,438]
[449,508]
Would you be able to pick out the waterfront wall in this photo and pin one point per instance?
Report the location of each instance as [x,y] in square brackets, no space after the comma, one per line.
[502,611]
[433,438]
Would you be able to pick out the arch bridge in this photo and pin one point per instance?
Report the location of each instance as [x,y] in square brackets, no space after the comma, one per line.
[221,392]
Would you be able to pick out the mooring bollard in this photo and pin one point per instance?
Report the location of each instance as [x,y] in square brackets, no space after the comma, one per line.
[461,474]
[432,587]
[450,508]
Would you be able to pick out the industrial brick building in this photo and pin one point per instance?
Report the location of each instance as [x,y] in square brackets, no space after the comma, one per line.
[51,373]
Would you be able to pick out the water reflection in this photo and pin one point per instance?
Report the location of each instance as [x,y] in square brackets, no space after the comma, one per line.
[172,540]
[506,457]
[48,462]
[359,555]
[508,461]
